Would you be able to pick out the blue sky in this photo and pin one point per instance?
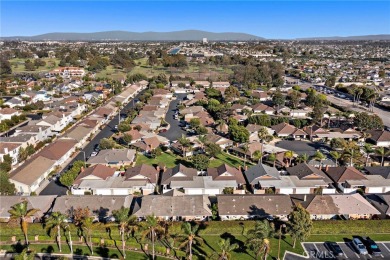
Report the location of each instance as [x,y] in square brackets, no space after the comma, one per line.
[270,19]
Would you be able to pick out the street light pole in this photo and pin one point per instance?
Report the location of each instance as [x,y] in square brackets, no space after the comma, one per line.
[280,236]
[83,156]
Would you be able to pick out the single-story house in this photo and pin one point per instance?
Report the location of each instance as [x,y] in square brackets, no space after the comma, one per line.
[242,207]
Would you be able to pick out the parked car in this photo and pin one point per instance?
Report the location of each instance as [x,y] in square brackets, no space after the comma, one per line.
[334,248]
[372,247]
[94,154]
[358,245]
[96,148]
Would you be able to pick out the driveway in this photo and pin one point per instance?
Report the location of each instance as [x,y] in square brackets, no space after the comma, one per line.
[318,250]
[301,147]
[175,131]
[54,187]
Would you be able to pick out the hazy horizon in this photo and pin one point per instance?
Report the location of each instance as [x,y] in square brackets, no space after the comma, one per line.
[271,20]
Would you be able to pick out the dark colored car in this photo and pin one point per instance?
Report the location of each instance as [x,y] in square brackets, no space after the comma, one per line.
[334,248]
[96,148]
[372,247]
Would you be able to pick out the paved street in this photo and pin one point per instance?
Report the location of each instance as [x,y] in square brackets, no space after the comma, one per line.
[175,130]
[54,187]
[382,113]
[320,251]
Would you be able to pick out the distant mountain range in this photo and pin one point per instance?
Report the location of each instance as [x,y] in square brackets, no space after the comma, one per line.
[186,35]
[351,38]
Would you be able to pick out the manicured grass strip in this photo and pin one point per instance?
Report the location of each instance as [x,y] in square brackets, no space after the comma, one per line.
[80,250]
[165,158]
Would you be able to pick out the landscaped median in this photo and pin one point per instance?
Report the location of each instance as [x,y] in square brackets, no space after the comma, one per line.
[108,241]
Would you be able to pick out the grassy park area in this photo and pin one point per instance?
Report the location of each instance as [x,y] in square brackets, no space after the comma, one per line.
[17,65]
[171,160]
[108,243]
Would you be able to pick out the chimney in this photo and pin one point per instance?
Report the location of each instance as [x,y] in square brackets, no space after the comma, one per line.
[82,169]
[165,168]
[320,166]
[327,168]
[304,197]
[5,150]
[158,168]
[246,167]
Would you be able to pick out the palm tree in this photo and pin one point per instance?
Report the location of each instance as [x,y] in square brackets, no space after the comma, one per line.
[191,236]
[289,155]
[203,140]
[380,151]
[302,158]
[123,218]
[272,158]
[259,238]
[56,221]
[20,211]
[258,155]
[221,124]
[226,248]
[88,225]
[152,230]
[245,148]
[319,156]
[335,155]
[367,148]
[185,143]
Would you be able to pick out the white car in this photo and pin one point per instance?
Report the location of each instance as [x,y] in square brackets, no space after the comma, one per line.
[94,154]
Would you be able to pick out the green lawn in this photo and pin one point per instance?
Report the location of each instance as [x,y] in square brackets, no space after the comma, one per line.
[229,159]
[80,250]
[170,160]
[111,72]
[211,232]
[165,158]
[17,65]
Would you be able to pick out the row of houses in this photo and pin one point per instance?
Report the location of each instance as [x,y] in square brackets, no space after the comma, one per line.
[177,207]
[103,178]
[29,176]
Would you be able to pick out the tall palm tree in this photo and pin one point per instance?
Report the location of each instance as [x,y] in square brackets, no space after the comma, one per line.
[259,238]
[289,155]
[272,158]
[56,221]
[258,155]
[185,143]
[319,156]
[367,148]
[191,236]
[123,218]
[380,151]
[245,148]
[226,248]
[302,158]
[87,225]
[203,140]
[335,155]
[152,230]
[20,211]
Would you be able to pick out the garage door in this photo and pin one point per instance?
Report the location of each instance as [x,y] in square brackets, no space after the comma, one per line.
[194,191]
[287,191]
[103,192]
[302,190]
[120,192]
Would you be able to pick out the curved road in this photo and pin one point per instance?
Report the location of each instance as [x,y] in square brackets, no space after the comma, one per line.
[174,132]
[54,187]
